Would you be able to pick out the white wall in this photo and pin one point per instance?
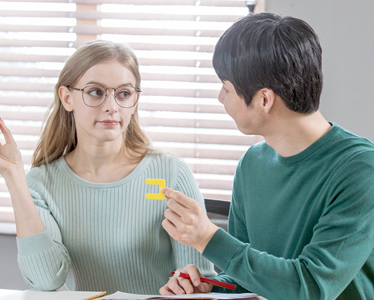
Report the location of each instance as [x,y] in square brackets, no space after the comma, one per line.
[10,275]
[346,31]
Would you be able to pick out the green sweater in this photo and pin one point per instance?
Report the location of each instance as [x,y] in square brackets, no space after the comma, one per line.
[106,236]
[302,227]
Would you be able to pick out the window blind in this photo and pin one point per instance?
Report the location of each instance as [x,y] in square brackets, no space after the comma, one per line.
[174,42]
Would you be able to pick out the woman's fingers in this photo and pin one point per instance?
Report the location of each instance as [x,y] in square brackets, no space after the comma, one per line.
[179,285]
[165,291]
[186,285]
[173,287]
[6,132]
[10,156]
[194,273]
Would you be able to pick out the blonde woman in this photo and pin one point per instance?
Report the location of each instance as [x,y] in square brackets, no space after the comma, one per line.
[81,213]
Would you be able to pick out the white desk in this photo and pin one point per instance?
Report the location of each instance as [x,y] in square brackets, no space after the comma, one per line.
[7,292]
[71,295]
[37,295]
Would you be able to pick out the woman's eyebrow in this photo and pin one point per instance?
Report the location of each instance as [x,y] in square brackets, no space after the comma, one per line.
[103,85]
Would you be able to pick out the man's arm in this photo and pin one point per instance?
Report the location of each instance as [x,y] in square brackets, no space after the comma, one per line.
[342,241]
[177,285]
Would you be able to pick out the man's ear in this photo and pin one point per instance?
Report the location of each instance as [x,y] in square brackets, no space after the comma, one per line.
[268,99]
[65,97]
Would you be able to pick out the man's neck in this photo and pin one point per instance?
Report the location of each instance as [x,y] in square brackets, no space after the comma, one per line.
[296,132]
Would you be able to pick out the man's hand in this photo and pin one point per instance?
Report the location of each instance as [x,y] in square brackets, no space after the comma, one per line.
[186,221]
[179,286]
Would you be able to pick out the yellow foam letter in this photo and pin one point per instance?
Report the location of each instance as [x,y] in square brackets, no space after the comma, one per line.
[161,183]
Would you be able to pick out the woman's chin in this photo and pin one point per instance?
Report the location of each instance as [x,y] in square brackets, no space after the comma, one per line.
[110,137]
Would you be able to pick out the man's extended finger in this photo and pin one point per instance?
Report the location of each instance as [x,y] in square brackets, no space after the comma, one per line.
[170,229]
[174,218]
[176,207]
[6,132]
[167,192]
[177,196]
[181,198]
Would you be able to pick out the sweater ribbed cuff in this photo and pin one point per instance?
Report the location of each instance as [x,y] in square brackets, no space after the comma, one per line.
[222,248]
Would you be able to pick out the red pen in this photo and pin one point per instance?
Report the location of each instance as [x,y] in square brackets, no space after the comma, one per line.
[206,280]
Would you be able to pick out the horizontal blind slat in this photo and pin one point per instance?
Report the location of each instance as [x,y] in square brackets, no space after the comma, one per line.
[145,103]
[6,215]
[207,37]
[168,119]
[159,135]
[229,3]
[28,72]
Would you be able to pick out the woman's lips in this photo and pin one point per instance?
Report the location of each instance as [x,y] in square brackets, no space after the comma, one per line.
[109,123]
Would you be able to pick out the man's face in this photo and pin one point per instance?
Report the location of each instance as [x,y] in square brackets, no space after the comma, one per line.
[245,117]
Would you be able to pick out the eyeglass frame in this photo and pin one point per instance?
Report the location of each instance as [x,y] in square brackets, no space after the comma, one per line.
[106,94]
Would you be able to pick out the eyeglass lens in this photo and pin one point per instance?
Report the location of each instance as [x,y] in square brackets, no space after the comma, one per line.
[95,95]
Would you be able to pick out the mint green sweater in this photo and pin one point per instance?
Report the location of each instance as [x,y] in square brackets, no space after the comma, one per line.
[302,226]
[106,236]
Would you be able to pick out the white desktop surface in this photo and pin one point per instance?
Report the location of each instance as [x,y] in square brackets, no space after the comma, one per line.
[37,295]
[7,292]
[73,295]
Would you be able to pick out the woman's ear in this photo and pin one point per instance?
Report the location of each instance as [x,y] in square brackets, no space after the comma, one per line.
[137,103]
[65,97]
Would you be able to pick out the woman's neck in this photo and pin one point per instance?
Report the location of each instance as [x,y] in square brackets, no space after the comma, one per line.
[100,163]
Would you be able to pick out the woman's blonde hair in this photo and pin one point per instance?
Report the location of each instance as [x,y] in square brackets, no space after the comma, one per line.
[59,136]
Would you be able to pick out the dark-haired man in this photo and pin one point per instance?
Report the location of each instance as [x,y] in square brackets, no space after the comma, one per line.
[301,220]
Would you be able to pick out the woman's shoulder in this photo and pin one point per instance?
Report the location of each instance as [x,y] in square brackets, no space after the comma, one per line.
[42,171]
[160,156]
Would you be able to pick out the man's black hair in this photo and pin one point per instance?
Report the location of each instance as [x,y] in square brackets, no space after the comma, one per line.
[270,51]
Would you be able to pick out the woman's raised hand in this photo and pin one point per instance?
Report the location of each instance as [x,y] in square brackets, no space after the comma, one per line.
[28,221]
[10,156]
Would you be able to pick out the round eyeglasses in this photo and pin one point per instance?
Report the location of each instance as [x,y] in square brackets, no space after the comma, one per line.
[95,95]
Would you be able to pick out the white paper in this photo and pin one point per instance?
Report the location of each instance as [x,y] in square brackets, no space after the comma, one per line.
[121,295]
[58,295]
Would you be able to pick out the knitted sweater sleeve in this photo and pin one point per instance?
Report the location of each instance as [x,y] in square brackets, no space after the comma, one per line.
[342,242]
[236,228]
[184,255]
[43,260]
